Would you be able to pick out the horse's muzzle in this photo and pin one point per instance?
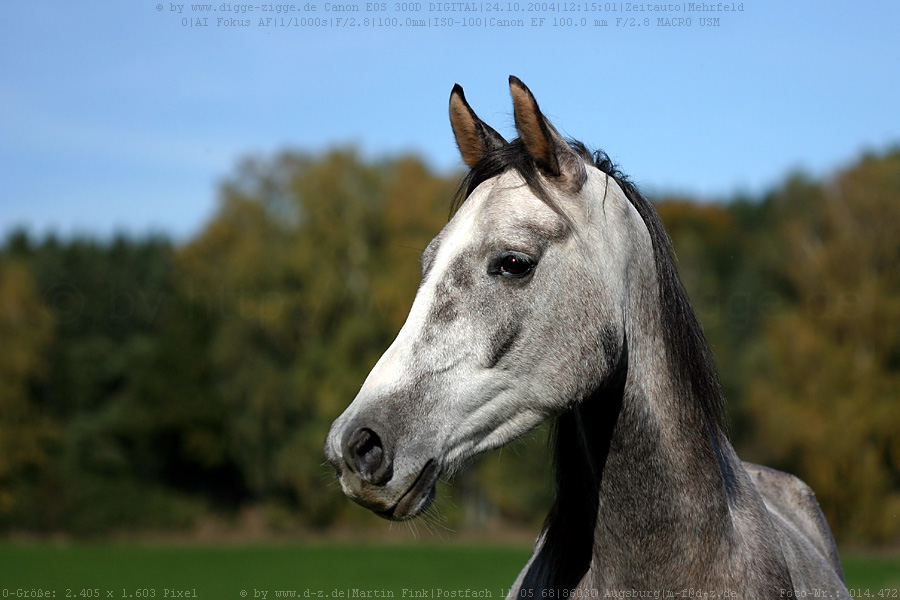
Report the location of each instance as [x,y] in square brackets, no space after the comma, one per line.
[364,462]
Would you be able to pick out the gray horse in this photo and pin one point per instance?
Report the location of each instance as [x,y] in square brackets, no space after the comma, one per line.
[552,293]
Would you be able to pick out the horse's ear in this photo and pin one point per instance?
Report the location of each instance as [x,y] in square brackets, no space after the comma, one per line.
[549,149]
[474,137]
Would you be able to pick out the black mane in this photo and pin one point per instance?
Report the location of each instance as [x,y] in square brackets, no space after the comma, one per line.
[582,434]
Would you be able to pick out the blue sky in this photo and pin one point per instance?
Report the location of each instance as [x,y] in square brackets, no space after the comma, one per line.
[116,117]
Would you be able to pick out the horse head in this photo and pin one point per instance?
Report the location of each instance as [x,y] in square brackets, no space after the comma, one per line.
[520,313]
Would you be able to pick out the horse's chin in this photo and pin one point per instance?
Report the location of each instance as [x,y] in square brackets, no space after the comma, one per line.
[418,497]
[413,499]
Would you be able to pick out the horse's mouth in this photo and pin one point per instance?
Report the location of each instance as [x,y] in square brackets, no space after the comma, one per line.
[418,497]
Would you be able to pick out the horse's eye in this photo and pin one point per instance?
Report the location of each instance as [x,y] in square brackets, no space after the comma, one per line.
[514,265]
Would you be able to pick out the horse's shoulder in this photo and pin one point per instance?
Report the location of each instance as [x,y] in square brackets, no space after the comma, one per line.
[782,488]
[790,498]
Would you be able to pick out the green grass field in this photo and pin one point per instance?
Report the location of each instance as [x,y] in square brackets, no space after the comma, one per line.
[132,571]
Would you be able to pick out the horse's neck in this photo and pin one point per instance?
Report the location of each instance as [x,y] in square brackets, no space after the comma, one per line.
[662,503]
[672,494]
[639,486]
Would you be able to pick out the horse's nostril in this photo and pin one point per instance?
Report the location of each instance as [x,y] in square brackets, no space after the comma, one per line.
[368,450]
[364,453]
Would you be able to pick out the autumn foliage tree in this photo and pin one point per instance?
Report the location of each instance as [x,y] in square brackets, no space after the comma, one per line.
[825,393]
[25,433]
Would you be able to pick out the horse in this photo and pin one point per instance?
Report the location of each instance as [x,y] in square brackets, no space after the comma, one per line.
[552,293]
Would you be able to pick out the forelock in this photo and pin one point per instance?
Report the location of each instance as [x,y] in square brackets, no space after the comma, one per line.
[513,156]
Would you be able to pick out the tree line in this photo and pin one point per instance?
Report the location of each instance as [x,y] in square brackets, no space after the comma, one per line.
[146,384]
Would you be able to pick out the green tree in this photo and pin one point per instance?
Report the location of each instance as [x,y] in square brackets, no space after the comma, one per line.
[105,301]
